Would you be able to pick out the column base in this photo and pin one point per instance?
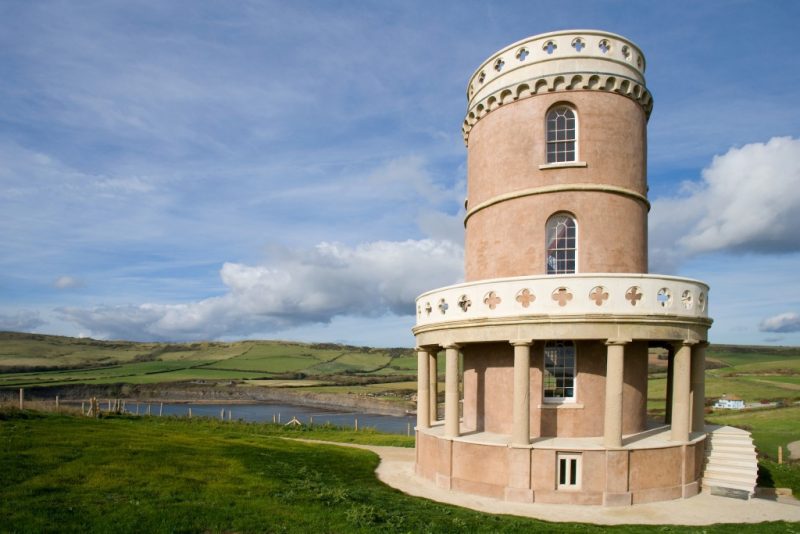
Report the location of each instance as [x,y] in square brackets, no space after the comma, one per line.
[519,495]
[617,499]
[690,490]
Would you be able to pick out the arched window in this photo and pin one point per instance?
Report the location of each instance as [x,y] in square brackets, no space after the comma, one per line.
[562,135]
[559,371]
[562,244]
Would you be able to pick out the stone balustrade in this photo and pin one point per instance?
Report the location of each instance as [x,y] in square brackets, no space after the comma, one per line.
[595,294]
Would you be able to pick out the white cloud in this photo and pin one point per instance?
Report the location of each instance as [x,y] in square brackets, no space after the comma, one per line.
[783,322]
[747,201]
[22,321]
[67,282]
[312,286]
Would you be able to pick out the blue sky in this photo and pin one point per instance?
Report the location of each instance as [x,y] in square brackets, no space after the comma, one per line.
[295,170]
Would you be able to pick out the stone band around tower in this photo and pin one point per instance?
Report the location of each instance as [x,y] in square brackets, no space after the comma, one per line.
[554,62]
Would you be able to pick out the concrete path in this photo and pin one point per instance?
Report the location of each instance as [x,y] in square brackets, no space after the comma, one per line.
[794,450]
[397,470]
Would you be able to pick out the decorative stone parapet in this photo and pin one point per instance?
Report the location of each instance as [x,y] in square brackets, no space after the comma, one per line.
[595,294]
[557,61]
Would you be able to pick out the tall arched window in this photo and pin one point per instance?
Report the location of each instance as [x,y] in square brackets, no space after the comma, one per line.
[562,135]
[562,244]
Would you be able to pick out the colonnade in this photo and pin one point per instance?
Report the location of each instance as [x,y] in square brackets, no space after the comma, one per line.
[687,398]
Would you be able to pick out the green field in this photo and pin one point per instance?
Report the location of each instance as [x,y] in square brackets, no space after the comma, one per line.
[28,360]
[120,474]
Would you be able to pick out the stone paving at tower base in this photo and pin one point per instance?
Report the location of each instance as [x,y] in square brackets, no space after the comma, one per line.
[396,469]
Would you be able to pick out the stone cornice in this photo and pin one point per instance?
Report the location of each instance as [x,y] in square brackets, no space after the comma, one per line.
[557,189]
[557,83]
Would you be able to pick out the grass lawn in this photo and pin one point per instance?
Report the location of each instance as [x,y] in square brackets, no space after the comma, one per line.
[72,474]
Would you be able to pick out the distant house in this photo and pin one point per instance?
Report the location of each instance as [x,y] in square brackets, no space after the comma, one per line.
[729,403]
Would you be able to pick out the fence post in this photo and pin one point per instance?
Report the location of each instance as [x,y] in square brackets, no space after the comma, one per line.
[190,413]
[780,454]
[21,398]
[355,424]
[160,409]
[58,409]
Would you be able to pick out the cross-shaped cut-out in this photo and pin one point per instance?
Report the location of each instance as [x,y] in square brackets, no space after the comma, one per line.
[428,308]
[686,298]
[599,295]
[604,46]
[522,54]
[464,303]
[419,311]
[492,300]
[634,295]
[578,45]
[443,306]
[550,47]
[499,64]
[525,297]
[562,295]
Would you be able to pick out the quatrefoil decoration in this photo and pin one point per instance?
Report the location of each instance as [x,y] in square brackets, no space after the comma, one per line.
[492,300]
[562,295]
[599,295]
[686,299]
[525,297]
[443,306]
[664,297]
[464,303]
[428,308]
[634,295]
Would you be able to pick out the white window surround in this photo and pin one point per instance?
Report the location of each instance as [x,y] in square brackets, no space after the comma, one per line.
[570,135]
[563,378]
[568,471]
[560,256]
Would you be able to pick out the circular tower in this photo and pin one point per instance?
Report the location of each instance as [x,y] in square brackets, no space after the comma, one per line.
[546,343]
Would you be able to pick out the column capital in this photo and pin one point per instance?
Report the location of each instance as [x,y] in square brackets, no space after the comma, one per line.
[618,341]
[455,346]
[426,348]
[521,342]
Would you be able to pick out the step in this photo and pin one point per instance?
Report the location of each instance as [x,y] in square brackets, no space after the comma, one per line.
[707,482]
[728,452]
[743,463]
[745,480]
[719,440]
[730,449]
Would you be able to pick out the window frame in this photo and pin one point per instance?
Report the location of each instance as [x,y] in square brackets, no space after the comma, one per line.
[547,240]
[573,471]
[560,399]
[575,136]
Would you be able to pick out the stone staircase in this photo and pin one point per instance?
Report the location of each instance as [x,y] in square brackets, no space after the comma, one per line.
[731,467]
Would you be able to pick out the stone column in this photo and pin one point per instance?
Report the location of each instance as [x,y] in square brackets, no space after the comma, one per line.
[615,368]
[681,407]
[698,394]
[521,422]
[423,390]
[670,374]
[433,387]
[451,423]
